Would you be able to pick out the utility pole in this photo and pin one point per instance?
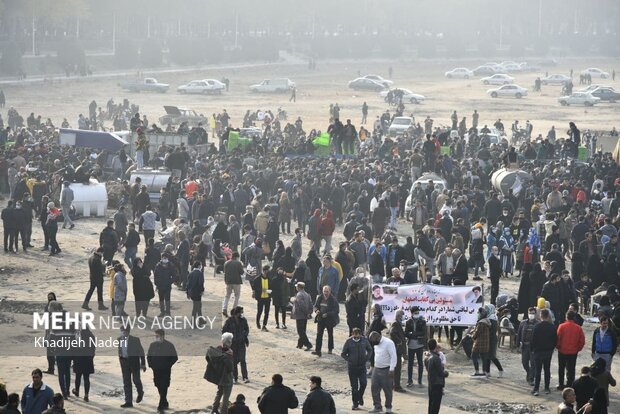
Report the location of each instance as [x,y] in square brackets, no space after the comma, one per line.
[539,18]
[77,28]
[236,30]
[34,31]
[113,33]
[148,27]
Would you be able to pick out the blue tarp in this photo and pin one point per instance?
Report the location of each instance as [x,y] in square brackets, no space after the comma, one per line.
[91,139]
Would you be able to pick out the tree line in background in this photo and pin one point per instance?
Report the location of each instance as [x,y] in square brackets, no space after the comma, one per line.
[148,33]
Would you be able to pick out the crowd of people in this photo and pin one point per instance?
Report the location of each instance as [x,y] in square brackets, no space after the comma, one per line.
[230,209]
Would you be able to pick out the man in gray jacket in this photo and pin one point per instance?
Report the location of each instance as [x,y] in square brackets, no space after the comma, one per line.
[356,351]
[301,312]
[66,199]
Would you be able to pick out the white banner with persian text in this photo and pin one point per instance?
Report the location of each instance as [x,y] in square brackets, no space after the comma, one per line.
[440,305]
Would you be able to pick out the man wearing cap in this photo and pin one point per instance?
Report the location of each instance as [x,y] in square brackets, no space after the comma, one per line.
[301,312]
[66,199]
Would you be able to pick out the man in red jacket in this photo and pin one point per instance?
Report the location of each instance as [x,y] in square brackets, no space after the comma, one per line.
[328,225]
[570,341]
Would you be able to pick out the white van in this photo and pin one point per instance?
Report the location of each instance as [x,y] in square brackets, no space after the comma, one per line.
[273,86]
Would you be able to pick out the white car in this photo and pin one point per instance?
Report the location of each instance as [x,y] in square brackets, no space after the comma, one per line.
[590,88]
[379,79]
[596,73]
[512,67]
[579,98]
[461,73]
[408,96]
[498,79]
[555,80]
[508,90]
[273,86]
[438,183]
[202,86]
[495,136]
[400,125]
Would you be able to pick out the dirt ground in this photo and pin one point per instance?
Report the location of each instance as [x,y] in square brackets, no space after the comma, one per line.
[28,277]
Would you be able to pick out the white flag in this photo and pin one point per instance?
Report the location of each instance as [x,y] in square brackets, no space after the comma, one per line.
[516,187]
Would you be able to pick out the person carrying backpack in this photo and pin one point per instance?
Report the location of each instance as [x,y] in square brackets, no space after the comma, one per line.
[220,372]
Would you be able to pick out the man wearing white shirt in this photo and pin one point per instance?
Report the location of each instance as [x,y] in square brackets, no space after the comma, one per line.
[383,372]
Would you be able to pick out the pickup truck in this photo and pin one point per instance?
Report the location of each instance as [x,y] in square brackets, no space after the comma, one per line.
[146,84]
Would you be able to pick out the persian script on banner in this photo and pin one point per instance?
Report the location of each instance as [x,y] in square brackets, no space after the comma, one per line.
[440,305]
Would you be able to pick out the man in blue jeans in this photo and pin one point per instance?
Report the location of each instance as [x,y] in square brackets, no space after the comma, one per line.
[356,351]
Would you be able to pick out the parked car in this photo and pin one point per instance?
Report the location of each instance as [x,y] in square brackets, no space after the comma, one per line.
[146,85]
[460,73]
[495,136]
[484,70]
[366,84]
[512,67]
[579,98]
[204,86]
[595,73]
[589,88]
[273,86]
[508,90]
[606,93]
[555,80]
[439,183]
[176,115]
[385,82]
[528,67]
[400,125]
[497,79]
[408,96]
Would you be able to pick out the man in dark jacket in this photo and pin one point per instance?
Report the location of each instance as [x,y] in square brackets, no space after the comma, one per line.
[97,271]
[584,387]
[425,251]
[495,273]
[164,276]
[219,372]
[131,356]
[161,356]
[415,332]
[327,308]
[277,398]
[108,239]
[544,340]
[356,351]
[393,256]
[182,257]
[238,326]
[318,400]
[8,221]
[195,288]
[436,378]
[397,335]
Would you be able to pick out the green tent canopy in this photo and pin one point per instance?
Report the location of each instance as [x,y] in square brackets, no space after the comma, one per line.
[235,141]
[321,145]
